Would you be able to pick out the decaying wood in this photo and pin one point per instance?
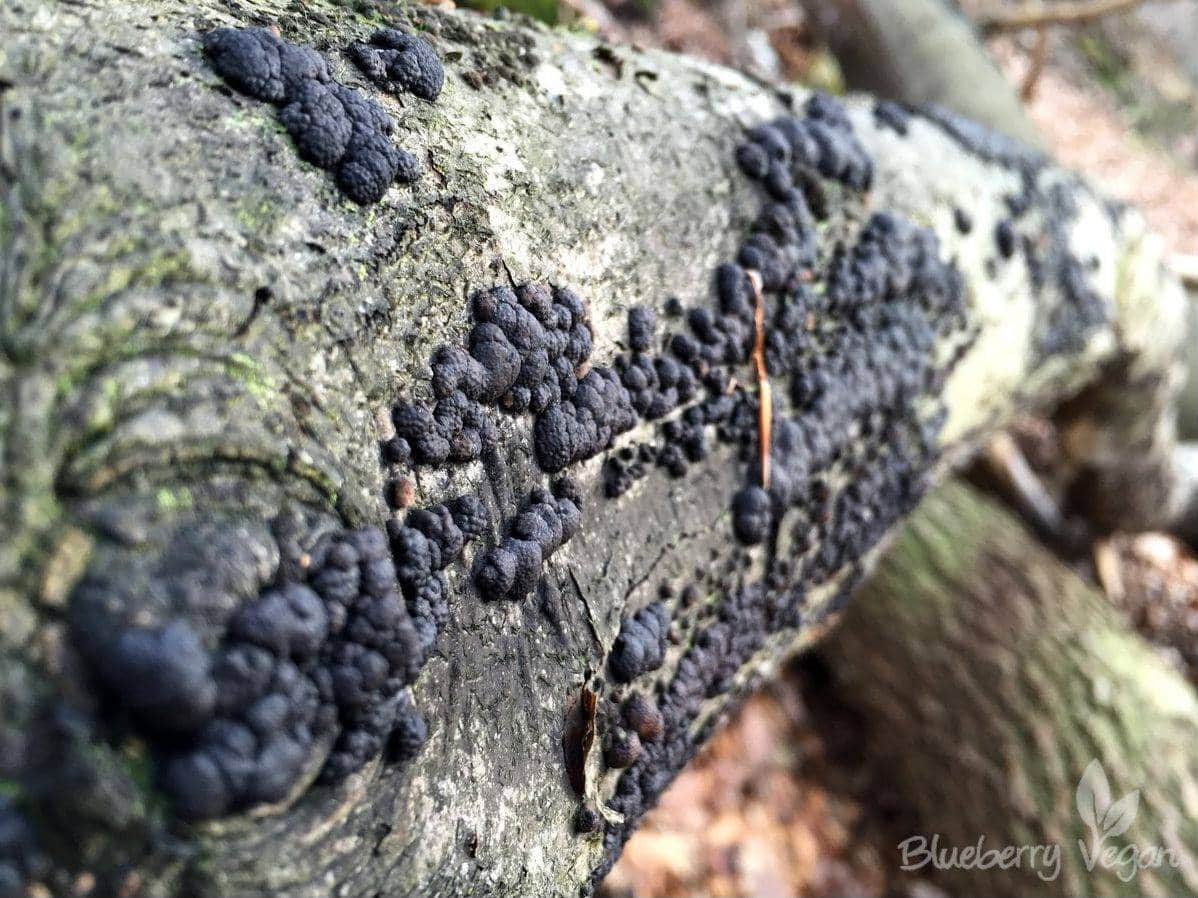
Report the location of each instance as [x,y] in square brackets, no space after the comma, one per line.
[991,677]
[195,323]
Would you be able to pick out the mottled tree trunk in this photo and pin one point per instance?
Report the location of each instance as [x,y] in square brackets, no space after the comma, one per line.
[199,334]
[990,677]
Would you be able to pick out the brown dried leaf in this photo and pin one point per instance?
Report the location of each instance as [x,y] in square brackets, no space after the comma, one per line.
[578,737]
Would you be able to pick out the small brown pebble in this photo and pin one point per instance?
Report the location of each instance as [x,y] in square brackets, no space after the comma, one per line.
[403,492]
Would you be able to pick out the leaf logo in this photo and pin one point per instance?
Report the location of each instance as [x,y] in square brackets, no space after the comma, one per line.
[1105,819]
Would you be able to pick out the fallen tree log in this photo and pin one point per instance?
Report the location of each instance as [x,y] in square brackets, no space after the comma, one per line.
[969,627]
[226,390]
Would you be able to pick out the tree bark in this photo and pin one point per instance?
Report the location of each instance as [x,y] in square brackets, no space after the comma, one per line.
[920,51]
[969,627]
[200,336]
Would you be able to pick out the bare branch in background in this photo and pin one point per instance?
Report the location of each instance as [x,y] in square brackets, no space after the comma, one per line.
[1039,56]
[1036,14]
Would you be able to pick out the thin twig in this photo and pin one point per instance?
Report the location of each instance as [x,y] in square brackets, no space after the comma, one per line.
[1027,90]
[1036,14]
[1006,462]
[1109,569]
[765,404]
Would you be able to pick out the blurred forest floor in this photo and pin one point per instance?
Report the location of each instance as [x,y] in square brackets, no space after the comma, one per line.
[783,801]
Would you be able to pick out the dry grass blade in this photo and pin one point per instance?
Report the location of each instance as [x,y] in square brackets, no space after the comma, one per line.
[765,404]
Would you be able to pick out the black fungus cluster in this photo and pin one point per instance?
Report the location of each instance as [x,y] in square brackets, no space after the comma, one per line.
[1004,238]
[752,514]
[892,115]
[778,153]
[1050,262]
[856,354]
[400,62]
[527,354]
[638,722]
[585,424]
[708,668]
[305,661]
[334,127]
[512,568]
[321,658]
[523,355]
[854,348]
[20,860]
[640,645]
[624,467]
[962,220]
[621,748]
[643,717]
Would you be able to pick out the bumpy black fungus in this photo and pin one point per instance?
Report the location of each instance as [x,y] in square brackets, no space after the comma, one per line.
[855,346]
[821,141]
[324,654]
[162,674]
[751,515]
[641,644]
[642,324]
[511,569]
[525,354]
[1004,238]
[20,860]
[400,62]
[1051,263]
[581,427]
[893,116]
[333,126]
[408,734]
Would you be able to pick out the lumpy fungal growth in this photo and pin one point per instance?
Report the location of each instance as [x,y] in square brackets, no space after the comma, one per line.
[20,860]
[1004,237]
[751,515]
[334,127]
[621,748]
[892,115]
[643,717]
[511,569]
[524,355]
[400,62]
[855,342]
[1050,260]
[641,644]
[323,655]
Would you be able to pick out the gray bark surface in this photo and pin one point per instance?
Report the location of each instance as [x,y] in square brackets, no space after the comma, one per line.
[196,326]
